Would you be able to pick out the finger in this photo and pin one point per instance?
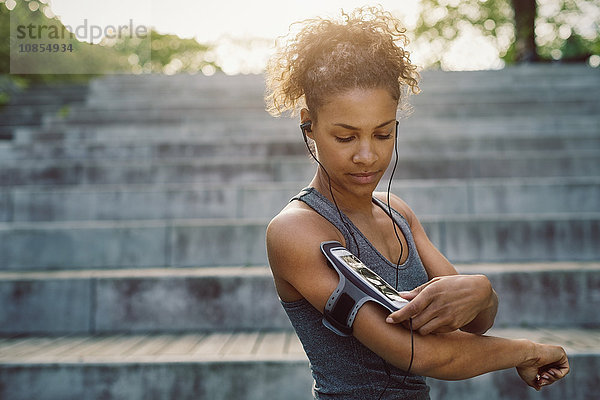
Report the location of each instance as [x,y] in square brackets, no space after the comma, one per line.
[557,373]
[552,374]
[413,308]
[408,295]
[545,378]
[544,382]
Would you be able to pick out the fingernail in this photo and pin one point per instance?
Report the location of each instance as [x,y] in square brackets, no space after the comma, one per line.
[389,320]
[546,376]
[403,293]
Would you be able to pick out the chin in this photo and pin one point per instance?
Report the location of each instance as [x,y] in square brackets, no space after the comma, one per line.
[365,188]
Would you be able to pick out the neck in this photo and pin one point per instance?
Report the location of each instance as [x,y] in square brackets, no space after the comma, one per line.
[350,203]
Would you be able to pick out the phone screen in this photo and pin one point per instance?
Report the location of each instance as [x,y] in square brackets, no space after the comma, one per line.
[374,279]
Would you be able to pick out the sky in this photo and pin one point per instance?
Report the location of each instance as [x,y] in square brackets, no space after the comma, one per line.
[208,20]
[229,25]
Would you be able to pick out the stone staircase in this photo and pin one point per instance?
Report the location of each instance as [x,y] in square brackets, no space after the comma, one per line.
[132,260]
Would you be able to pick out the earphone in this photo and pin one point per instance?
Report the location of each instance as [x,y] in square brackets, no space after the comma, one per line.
[306,126]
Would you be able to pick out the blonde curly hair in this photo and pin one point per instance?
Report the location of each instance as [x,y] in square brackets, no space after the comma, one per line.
[365,49]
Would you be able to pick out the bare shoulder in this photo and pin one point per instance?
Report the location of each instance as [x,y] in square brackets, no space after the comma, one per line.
[299,268]
[297,223]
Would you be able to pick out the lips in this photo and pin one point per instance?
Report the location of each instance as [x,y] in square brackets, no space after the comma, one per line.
[364,177]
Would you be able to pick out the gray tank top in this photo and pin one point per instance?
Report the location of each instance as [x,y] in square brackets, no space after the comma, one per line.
[342,367]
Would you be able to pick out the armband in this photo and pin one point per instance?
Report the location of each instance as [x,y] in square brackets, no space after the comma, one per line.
[358,284]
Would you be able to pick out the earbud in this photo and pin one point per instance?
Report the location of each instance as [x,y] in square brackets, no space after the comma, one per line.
[306,126]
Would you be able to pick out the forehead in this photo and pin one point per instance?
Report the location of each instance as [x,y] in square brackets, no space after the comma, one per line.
[358,104]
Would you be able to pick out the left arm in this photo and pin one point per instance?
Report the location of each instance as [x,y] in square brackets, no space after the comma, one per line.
[448,301]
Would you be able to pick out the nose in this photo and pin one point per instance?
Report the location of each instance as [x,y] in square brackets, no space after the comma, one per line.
[365,153]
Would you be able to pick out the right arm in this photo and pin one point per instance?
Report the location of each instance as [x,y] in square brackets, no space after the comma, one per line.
[458,355]
[293,245]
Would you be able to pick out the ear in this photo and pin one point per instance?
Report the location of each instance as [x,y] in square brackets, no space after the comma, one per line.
[305,117]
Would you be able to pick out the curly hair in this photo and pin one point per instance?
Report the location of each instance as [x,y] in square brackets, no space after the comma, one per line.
[363,50]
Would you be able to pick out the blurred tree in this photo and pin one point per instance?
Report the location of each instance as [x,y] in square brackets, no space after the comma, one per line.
[168,54]
[524,14]
[521,30]
[21,14]
[159,53]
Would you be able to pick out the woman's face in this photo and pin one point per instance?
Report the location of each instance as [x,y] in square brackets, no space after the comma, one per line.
[354,138]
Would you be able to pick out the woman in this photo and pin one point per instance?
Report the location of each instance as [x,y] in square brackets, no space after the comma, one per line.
[348,80]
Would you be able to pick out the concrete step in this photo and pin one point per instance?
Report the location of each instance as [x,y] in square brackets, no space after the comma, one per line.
[192,112]
[532,74]
[523,76]
[139,148]
[139,301]
[468,107]
[270,145]
[490,106]
[452,94]
[244,298]
[192,170]
[254,128]
[20,115]
[186,97]
[215,366]
[208,242]
[242,366]
[30,106]
[51,94]
[260,125]
[132,244]
[178,81]
[265,200]
[503,96]
[582,163]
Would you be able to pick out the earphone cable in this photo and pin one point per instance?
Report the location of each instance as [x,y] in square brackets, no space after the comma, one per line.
[331,192]
[412,357]
[412,338]
[390,206]
[358,249]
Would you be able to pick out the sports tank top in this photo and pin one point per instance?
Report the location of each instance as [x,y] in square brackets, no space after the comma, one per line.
[342,367]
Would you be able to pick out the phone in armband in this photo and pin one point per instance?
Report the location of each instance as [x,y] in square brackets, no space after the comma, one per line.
[358,284]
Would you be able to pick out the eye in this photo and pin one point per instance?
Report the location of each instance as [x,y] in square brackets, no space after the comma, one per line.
[344,139]
[387,134]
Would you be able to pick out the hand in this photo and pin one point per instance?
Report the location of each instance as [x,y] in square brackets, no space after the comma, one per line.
[445,304]
[548,364]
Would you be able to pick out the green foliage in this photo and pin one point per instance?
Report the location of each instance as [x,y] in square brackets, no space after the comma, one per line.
[22,15]
[563,27]
[163,54]
[157,53]
[570,29]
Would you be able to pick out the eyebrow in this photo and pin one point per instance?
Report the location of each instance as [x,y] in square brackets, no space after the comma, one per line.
[353,128]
